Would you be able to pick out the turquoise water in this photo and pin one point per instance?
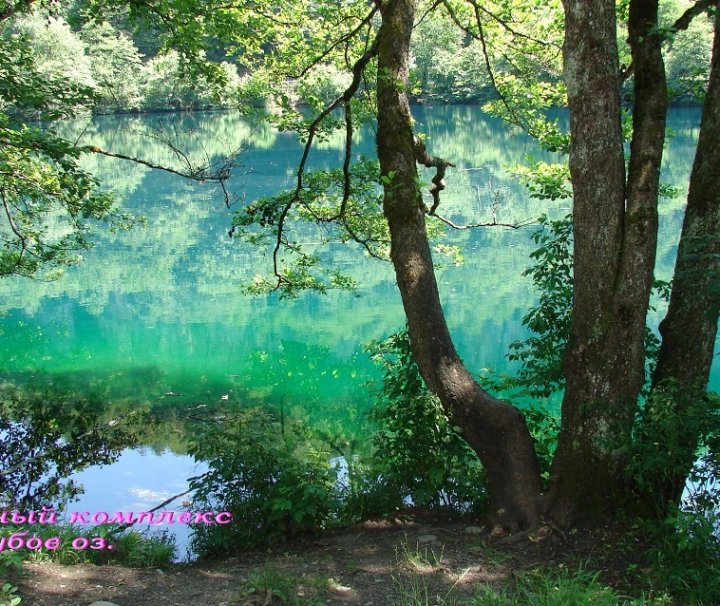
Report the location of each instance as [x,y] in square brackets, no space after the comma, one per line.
[159,310]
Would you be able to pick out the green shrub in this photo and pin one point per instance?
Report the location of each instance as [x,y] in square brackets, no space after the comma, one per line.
[547,587]
[420,457]
[270,474]
[8,595]
[685,555]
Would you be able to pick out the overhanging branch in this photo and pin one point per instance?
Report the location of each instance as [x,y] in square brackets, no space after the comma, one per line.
[342,100]
[486,224]
[438,181]
[200,174]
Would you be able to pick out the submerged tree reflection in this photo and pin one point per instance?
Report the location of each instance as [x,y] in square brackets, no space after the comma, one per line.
[49,436]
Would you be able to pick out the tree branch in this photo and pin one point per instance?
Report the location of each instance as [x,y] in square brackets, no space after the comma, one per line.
[438,183]
[343,99]
[342,40]
[491,224]
[199,174]
[14,228]
[504,24]
[480,36]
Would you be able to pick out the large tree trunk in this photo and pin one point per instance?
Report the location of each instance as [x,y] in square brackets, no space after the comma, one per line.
[690,327]
[615,231]
[496,430]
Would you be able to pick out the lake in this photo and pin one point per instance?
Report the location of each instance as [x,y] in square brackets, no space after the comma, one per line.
[156,316]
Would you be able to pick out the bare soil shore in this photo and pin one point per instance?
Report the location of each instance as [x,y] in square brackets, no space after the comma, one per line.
[373,564]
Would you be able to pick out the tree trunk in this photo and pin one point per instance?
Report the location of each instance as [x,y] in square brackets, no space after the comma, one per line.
[690,326]
[615,231]
[496,430]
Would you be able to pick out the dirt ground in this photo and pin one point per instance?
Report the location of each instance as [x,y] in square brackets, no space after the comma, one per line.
[373,564]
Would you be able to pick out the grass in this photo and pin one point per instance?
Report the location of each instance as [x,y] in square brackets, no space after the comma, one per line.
[267,583]
[552,587]
[414,589]
[419,559]
[129,548]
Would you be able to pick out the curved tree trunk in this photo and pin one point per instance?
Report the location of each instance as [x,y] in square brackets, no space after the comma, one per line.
[690,327]
[496,430]
[615,236]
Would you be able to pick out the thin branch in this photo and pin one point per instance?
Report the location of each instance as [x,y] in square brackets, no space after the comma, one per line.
[345,98]
[683,22]
[438,182]
[14,228]
[491,224]
[505,26]
[167,20]
[342,40]
[491,73]
[348,157]
[430,9]
[364,242]
[196,175]
[480,36]
[163,504]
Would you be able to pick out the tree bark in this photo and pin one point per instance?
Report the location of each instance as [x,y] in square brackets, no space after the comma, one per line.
[690,327]
[615,231]
[495,429]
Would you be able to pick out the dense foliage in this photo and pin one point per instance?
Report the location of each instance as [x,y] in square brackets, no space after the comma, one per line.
[47,198]
[269,474]
[420,456]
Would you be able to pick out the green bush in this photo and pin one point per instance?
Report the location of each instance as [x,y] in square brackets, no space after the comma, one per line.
[8,595]
[420,457]
[559,587]
[269,473]
[685,555]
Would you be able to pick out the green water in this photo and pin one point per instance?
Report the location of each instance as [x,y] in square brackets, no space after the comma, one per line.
[159,310]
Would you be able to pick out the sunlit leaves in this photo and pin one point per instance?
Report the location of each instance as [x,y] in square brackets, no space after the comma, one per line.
[46,199]
[552,274]
[321,212]
[546,181]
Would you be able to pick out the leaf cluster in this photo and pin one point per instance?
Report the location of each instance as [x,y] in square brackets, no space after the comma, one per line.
[321,204]
[541,354]
[48,200]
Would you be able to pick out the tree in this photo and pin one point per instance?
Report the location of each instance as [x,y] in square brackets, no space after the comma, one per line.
[615,231]
[115,64]
[495,429]
[49,201]
[689,328]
